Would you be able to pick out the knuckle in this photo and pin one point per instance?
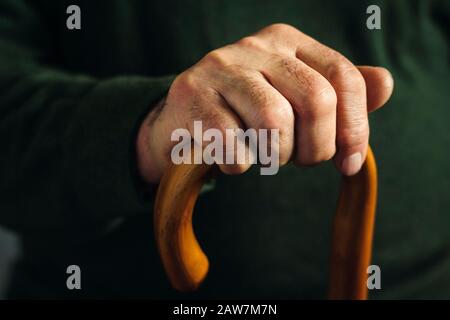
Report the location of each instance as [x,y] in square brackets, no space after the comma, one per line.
[353,136]
[251,42]
[322,96]
[279,28]
[216,58]
[283,122]
[346,75]
[321,102]
[354,80]
[267,118]
[318,98]
[185,84]
[276,117]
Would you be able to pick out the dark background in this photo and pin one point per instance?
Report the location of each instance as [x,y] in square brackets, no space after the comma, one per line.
[8,251]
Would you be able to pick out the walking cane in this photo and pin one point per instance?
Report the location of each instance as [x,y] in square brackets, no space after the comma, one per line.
[187,265]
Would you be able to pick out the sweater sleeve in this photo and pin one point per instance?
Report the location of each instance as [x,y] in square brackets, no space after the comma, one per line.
[67,140]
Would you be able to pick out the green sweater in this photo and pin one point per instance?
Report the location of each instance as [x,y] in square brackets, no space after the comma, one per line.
[71,102]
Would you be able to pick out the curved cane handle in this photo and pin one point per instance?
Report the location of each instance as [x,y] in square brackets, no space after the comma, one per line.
[186,265]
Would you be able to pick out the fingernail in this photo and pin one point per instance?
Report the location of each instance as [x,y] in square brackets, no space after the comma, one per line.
[351,164]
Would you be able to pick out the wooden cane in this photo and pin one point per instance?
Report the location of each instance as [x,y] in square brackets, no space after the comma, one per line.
[186,264]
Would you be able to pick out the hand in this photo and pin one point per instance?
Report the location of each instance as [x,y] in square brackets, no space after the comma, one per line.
[278,78]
